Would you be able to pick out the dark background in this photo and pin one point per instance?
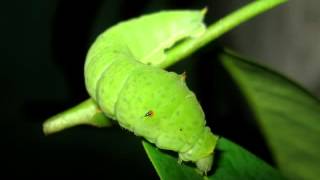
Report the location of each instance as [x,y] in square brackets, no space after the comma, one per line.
[43,48]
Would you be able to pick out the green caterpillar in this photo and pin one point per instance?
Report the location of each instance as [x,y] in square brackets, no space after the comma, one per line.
[144,99]
[123,78]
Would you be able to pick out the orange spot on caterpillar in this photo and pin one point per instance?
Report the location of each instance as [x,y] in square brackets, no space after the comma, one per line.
[149,114]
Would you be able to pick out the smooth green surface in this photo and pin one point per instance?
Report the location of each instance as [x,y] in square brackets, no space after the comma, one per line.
[231,162]
[288,115]
[143,39]
[86,112]
[167,166]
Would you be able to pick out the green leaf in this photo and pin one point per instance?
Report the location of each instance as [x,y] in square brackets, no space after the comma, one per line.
[288,115]
[167,166]
[231,162]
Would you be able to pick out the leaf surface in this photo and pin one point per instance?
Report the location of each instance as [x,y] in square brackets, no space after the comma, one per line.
[231,162]
[288,115]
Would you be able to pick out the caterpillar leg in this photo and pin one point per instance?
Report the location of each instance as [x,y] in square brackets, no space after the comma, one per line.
[202,152]
[205,164]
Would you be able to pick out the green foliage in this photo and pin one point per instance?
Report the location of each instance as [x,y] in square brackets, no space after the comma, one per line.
[288,116]
[231,162]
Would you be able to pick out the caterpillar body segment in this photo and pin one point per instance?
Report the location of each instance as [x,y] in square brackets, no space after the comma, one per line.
[122,77]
